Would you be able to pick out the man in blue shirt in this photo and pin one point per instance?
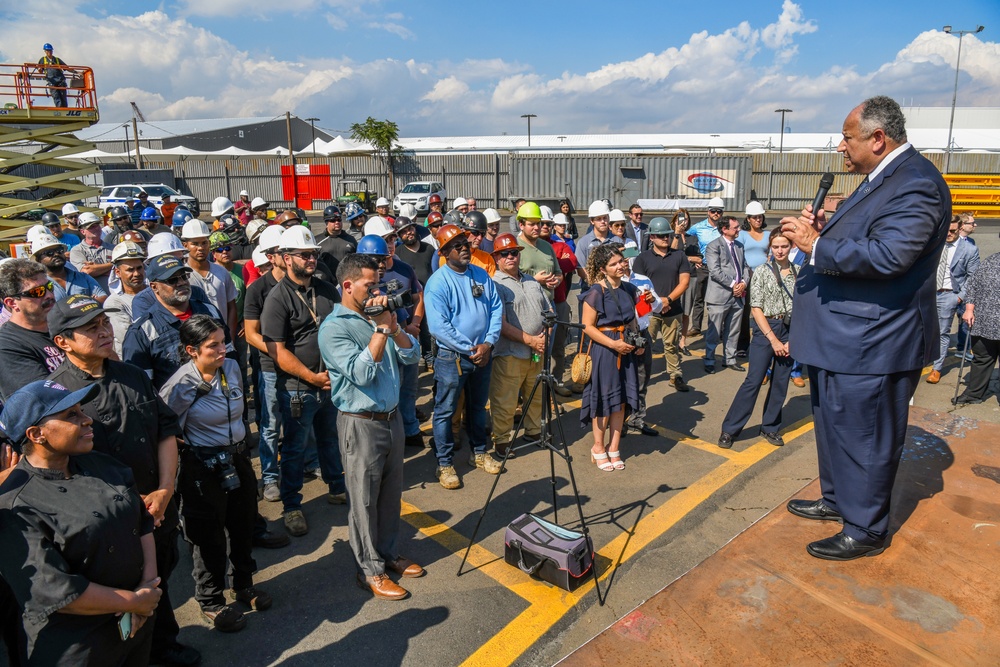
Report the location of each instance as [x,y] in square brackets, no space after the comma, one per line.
[363,355]
[50,252]
[707,231]
[464,314]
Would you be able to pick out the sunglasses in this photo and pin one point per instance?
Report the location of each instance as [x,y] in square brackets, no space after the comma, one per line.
[71,216]
[620,223]
[224,248]
[306,255]
[460,245]
[715,210]
[509,253]
[473,232]
[36,292]
[178,279]
[55,252]
[659,236]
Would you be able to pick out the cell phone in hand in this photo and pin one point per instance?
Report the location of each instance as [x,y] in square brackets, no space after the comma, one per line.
[125,625]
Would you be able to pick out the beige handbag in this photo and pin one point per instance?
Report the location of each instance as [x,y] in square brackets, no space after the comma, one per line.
[579,372]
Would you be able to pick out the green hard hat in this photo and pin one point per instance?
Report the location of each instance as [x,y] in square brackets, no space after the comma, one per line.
[659,225]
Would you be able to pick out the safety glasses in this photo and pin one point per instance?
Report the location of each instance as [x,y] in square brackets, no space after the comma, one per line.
[36,292]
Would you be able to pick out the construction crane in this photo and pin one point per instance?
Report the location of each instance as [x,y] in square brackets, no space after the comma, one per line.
[137,113]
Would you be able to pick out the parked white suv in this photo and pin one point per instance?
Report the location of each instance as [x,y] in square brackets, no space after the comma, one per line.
[418,193]
[115,195]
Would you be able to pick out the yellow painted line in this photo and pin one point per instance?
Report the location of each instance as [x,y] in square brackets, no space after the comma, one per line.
[697,443]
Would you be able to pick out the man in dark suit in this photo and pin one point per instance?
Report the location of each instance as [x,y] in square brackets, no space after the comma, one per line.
[636,229]
[725,296]
[959,261]
[866,322]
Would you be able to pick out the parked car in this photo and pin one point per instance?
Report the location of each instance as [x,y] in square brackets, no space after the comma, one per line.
[115,195]
[417,193]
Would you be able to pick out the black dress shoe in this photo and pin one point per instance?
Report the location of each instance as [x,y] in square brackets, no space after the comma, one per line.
[966,400]
[735,367]
[813,509]
[709,369]
[647,430]
[725,440]
[177,655]
[844,547]
[271,540]
[773,438]
[679,384]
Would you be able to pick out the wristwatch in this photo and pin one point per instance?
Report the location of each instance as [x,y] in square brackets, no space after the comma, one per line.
[386,331]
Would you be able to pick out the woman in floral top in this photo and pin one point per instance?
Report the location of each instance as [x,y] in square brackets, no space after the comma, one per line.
[982,315]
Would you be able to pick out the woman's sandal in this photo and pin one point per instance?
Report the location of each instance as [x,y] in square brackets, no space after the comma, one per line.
[602,461]
[616,460]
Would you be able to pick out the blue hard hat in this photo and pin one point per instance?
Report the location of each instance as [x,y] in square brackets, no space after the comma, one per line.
[47,47]
[353,210]
[181,216]
[372,245]
[149,213]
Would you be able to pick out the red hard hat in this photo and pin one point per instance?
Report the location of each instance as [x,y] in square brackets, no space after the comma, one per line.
[435,199]
[505,242]
[434,217]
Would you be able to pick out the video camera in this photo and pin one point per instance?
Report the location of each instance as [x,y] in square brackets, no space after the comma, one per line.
[398,297]
[634,338]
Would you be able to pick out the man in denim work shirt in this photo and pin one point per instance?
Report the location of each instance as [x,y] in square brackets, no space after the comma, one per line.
[363,355]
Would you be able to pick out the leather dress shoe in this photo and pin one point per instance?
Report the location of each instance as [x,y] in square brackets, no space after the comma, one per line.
[725,440]
[844,547]
[405,567]
[382,587]
[934,377]
[679,384]
[710,368]
[270,539]
[798,381]
[736,367]
[645,429]
[176,655]
[813,509]
[774,438]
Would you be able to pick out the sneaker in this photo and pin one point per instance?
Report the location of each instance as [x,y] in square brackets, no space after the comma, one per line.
[255,599]
[272,493]
[336,498]
[295,523]
[448,477]
[226,619]
[486,462]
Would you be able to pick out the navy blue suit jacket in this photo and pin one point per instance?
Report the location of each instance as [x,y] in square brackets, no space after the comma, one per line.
[867,305]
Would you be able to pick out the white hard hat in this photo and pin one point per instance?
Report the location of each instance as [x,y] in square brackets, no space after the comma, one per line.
[616,215]
[244,193]
[298,238]
[35,232]
[44,242]
[258,202]
[221,205]
[378,226]
[256,228]
[270,238]
[560,219]
[459,201]
[598,208]
[70,208]
[382,201]
[716,202]
[491,216]
[87,219]
[163,243]
[259,258]
[546,213]
[408,211]
[194,229]
[755,208]
[128,250]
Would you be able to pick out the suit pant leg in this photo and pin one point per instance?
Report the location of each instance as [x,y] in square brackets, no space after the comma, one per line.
[818,390]
[865,428]
[698,306]
[731,332]
[716,325]
[947,302]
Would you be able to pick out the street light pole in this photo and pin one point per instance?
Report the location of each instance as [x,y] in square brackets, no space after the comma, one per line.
[781,141]
[954,95]
[529,116]
[312,121]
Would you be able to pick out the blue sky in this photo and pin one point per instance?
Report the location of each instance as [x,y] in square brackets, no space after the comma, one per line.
[472,68]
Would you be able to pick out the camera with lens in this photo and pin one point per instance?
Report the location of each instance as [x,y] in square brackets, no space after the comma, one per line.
[634,338]
[397,297]
[221,463]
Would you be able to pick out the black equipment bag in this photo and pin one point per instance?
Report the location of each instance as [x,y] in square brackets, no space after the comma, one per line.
[547,551]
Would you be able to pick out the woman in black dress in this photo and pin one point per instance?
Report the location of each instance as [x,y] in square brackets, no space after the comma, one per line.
[608,310]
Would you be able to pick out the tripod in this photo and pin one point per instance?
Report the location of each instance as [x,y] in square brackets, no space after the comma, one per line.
[554,442]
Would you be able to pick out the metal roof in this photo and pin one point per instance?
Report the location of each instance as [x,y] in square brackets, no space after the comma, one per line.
[165,129]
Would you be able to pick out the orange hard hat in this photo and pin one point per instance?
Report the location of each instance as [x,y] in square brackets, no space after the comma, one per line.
[447,234]
[286,217]
[505,242]
[434,217]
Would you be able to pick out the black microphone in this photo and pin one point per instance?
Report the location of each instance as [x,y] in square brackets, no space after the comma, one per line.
[825,183]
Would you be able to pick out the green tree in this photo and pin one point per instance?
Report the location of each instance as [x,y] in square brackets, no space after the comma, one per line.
[383,136]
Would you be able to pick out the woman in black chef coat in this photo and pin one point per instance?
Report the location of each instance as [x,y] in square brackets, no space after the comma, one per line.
[77,539]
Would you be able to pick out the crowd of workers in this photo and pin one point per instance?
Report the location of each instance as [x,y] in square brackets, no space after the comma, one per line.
[136,345]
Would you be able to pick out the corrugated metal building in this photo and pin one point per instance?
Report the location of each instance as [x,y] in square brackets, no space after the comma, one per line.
[213,134]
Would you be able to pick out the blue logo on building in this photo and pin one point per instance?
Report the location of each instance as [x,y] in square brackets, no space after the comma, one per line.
[706,183]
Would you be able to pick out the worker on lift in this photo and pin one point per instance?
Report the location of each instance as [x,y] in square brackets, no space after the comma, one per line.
[55,76]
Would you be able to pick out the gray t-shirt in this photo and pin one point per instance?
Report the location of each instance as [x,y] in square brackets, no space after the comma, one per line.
[121,320]
[218,285]
[206,420]
[524,301]
[84,253]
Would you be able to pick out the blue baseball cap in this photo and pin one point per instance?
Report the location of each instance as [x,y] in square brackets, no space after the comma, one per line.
[163,267]
[34,402]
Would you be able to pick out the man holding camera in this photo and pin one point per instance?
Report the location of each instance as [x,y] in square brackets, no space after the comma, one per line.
[364,354]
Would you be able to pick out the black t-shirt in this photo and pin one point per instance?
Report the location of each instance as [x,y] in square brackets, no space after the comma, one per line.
[333,249]
[253,306]
[419,260]
[292,315]
[27,356]
[664,271]
[241,250]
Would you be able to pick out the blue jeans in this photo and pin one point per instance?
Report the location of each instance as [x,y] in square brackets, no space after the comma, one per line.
[454,375]
[318,415]
[408,398]
[270,426]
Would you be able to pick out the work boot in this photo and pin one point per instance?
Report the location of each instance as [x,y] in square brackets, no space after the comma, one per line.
[486,462]
[295,523]
[448,477]
[255,599]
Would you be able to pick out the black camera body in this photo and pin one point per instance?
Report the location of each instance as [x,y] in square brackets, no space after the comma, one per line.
[221,463]
[397,296]
[634,338]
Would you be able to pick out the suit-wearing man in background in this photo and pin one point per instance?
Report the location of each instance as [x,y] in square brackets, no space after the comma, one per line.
[958,262]
[725,296]
[636,229]
[866,322]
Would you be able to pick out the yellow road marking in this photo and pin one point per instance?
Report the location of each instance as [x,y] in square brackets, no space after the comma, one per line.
[548,604]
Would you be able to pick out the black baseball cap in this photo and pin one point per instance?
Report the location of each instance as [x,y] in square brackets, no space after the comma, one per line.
[163,267]
[74,311]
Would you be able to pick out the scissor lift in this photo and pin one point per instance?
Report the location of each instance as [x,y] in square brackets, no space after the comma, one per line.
[26,114]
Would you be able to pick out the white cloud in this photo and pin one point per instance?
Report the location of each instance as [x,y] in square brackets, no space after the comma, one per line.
[779,36]
[446,90]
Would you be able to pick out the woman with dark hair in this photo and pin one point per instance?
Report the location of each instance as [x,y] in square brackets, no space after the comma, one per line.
[608,312]
[216,482]
[771,288]
[77,539]
[755,248]
[567,210]
[681,240]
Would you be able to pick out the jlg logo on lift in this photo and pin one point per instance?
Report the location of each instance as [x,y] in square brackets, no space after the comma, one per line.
[74,113]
